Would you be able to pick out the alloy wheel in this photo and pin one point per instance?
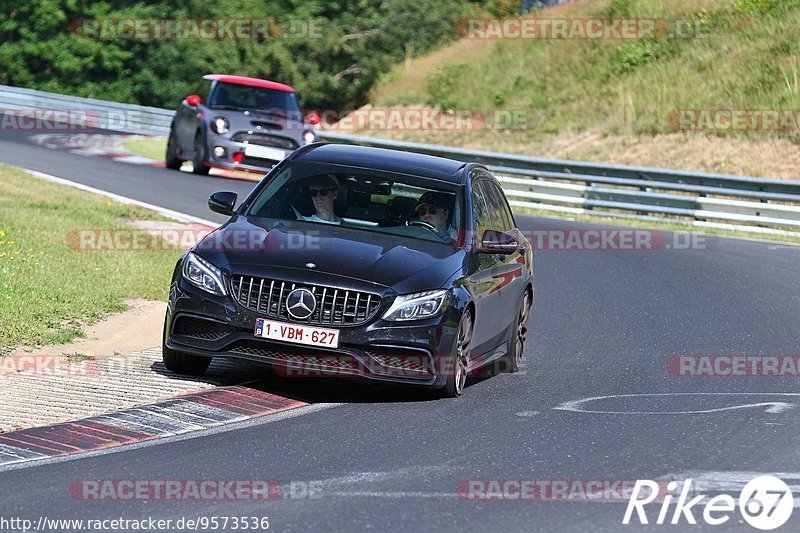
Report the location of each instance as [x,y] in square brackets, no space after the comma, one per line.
[462,352]
[522,328]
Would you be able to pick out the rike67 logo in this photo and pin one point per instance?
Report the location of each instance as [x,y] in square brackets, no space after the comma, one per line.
[765,503]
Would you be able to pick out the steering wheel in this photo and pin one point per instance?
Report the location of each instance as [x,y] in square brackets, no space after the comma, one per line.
[422,224]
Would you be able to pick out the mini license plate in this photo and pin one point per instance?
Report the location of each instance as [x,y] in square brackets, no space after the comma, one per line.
[307,335]
[264,152]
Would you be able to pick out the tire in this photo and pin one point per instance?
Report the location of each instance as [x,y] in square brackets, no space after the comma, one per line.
[184,363]
[457,375]
[171,160]
[512,360]
[199,156]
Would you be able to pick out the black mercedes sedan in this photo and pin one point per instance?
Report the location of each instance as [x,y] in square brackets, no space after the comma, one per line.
[354,261]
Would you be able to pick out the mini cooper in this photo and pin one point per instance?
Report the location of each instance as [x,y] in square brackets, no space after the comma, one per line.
[237,123]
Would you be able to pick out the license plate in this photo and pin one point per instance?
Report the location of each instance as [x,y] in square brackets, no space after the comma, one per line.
[264,152]
[310,336]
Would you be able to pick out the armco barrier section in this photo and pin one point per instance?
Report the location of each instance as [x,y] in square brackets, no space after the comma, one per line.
[755,204]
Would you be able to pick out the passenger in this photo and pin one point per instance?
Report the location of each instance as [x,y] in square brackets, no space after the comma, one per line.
[434,208]
[323,191]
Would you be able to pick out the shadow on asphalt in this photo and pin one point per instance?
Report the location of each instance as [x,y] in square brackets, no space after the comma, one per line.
[307,389]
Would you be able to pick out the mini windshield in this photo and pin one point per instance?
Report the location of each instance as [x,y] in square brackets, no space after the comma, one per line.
[232,96]
[371,200]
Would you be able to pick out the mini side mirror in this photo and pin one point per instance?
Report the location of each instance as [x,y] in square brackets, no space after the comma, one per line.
[313,118]
[193,100]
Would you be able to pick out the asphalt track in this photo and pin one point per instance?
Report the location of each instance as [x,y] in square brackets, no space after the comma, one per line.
[604,323]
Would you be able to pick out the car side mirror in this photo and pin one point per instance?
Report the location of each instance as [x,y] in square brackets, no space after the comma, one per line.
[193,100]
[223,202]
[498,242]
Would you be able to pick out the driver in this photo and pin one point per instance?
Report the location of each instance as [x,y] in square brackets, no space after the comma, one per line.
[323,190]
[434,208]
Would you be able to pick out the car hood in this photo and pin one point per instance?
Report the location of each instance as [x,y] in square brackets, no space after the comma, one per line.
[292,124]
[262,245]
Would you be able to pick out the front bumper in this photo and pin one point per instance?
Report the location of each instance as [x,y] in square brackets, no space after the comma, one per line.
[235,158]
[413,353]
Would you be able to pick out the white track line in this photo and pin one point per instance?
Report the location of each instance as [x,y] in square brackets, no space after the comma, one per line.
[169,213]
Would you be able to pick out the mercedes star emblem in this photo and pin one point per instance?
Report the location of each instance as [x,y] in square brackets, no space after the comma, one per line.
[301,304]
[311,265]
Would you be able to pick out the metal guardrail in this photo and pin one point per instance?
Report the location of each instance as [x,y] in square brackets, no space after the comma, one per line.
[624,191]
[754,204]
[126,118]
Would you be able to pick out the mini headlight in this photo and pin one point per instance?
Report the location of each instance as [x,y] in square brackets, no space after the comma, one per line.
[203,275]
[219,125]
[417,306]
[309,137]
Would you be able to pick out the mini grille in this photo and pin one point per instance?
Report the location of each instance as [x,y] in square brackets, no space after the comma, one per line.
[264,139]
[336,307]
[257,161]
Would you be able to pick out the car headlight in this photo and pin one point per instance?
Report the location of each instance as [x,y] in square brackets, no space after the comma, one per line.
[417,306]
[203,274]
[220,125]
[309,137]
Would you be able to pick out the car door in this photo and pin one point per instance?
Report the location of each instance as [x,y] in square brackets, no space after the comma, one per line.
[485,268]
[510,273]
[187,117]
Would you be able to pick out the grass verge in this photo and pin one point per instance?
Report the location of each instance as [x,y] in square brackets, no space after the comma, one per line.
[150,147]
[617,100]
[49,288]
[737,54]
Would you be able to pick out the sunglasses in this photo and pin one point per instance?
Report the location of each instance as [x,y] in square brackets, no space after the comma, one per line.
[321,192]
[422,211]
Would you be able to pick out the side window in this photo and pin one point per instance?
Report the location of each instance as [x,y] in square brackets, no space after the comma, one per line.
[480,208]
[498,202]
[493,218]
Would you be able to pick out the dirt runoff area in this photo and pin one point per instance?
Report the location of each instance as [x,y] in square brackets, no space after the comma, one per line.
[116,365]
[133,330]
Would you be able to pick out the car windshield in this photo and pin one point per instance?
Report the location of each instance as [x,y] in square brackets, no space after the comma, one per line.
[366,199]
[231,96]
